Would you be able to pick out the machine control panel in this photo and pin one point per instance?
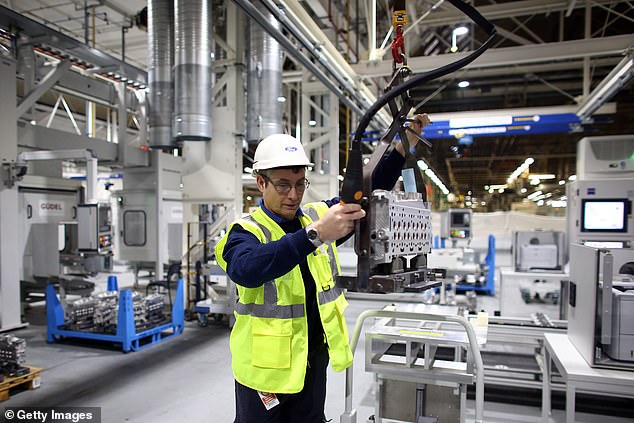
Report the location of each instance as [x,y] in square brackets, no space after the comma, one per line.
[455,224]
[95,230]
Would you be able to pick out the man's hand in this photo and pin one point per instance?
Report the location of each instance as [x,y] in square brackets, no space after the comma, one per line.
[338,221]
[419,122]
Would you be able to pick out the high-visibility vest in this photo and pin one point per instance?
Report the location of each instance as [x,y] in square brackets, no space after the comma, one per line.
[269,341]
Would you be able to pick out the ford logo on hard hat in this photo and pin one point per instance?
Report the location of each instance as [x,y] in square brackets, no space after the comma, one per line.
[290,149]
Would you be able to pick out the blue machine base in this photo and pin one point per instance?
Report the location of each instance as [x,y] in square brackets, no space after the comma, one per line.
[478,289]
[126,333]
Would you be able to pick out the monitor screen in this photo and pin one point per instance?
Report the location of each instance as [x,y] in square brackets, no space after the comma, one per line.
[605,215]
[459,218]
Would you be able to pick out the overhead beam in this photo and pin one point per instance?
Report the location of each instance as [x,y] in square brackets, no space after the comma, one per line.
[46,84]
[535,53]
[507,10]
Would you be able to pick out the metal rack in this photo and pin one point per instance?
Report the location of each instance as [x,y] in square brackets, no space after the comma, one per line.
[126,333]
[420,331]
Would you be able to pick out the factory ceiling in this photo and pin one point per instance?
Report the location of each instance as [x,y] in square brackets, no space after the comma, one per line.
[537,61]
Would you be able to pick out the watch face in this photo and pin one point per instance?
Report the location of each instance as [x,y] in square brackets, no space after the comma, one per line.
[312,234]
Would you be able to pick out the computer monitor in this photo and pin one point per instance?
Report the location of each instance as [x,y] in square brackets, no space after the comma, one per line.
[460,218]
[604,215]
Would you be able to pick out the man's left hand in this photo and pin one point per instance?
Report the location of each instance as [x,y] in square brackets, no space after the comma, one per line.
[418,123]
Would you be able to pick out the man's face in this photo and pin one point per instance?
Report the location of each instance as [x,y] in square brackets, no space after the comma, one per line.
[284,205]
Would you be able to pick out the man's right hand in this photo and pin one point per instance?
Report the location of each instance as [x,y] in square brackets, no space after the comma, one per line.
[338,221]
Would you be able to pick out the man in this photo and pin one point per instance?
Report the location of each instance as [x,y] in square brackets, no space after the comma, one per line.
[283,258]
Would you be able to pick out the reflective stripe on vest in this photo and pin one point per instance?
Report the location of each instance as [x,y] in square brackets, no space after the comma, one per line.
[270,308]
[272,311]
[312,213]
[329,296]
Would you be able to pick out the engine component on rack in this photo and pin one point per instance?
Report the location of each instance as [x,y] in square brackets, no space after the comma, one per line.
[100,312]
[154,307]
[82,314]
[12,355]
[106,308]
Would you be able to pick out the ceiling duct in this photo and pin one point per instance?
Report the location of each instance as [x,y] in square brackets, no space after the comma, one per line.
[264,81]
[192,70]
[160,62]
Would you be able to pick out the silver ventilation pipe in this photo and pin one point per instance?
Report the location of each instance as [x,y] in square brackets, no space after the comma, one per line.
[192,70]
[264,81]
[160,62]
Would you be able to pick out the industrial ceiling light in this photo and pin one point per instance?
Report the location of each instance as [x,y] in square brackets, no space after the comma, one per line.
[463,84]
[458,31]
[562,182]
[520,169]
[541,176]
[281,99]
[572,178]
[312,123]
[534,195]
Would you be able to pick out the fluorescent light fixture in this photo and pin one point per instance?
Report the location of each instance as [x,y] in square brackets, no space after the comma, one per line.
[523,190]
[501,190]
[541,176]
[534,181]
[520,169]
[572,178]
[460,30]
[491,190]
[561,182]
[281,99]
[475,131]
[312,122]
[535,194]
[470,122]
[558,203]
[423,166]
[463,84]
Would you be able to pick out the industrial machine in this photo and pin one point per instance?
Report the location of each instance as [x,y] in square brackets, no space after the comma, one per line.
[539,250]
[150,215]
[601,305]
[601,292]
[463,263]
[600,200]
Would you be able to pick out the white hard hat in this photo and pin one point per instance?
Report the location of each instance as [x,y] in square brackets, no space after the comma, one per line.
[280,150]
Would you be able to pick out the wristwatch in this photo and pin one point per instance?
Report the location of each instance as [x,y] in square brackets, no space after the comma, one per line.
[313,236]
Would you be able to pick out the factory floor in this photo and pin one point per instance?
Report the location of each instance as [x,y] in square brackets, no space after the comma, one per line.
[188,378]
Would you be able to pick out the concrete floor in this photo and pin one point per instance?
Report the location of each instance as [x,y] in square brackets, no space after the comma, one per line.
[189,378]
